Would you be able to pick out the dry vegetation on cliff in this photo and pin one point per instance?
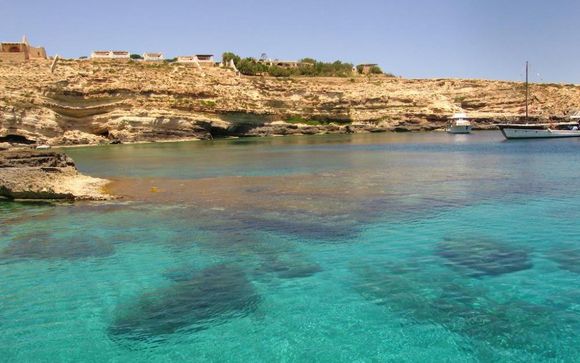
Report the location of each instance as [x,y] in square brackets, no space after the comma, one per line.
[85,102]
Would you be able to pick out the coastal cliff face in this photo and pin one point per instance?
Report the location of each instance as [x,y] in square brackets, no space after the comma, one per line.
[86,102]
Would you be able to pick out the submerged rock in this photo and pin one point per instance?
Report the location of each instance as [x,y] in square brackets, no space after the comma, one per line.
[211,297]
[303,226]
[444,299]
[286,269]
[567,258]
[42,245]
[483,257]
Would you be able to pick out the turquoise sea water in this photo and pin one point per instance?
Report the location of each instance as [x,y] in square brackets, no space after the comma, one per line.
[364,248]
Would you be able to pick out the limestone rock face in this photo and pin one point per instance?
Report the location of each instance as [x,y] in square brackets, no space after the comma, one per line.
[31,174]
[35,159]
[85,102]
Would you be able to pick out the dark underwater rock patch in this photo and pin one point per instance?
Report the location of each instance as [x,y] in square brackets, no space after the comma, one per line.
[180,274]
[301,226]
[483,257]
[567,258]
[284,268]
[211,297]
[44,246]
[444,299]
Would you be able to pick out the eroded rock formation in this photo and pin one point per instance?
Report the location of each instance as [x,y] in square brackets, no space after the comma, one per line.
[31,174]
[84,102]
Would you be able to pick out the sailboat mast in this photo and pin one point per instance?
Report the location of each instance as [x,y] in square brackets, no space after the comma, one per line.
[527,91]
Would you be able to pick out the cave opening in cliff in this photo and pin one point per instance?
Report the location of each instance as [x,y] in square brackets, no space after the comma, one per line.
[218,132]
[16,139]
[104,133]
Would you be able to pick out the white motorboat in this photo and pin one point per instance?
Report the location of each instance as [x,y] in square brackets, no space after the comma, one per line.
[459,124]
[540,130]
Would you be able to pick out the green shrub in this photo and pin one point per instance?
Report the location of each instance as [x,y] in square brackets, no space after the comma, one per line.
[276,71]
[135,56]
[208,103]
[300,120]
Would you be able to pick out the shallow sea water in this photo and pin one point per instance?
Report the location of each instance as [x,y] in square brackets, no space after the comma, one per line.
[359,248]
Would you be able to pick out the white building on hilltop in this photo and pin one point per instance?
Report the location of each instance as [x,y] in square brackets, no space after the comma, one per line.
[153,57]
[203,60]
[110,54]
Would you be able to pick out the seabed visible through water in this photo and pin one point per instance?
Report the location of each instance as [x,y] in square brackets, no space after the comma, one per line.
[395,247]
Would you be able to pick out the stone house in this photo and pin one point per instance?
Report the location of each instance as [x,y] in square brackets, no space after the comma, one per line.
[21,51]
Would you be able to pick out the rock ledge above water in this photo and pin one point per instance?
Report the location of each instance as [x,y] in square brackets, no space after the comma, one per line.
[34,174]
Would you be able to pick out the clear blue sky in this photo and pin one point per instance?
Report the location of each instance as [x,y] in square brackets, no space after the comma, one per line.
[413,38]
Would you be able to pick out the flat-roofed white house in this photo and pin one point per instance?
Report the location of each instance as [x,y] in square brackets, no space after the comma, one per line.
[110,54]
[186,59]
[101,54]
[120,54]
[204,60]
[153,57]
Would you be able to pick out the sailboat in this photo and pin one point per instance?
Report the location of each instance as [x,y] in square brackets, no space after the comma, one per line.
[540,130]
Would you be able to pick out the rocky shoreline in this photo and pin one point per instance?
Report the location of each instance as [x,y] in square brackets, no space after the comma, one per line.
[91,103]
[43,174]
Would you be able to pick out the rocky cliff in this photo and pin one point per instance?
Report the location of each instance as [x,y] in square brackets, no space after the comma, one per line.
[84,102]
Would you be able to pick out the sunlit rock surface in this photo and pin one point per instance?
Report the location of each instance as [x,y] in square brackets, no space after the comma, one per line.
[85,102]
[33,174]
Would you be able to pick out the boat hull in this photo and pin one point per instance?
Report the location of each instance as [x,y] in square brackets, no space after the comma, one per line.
[459,129]
[511,133]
